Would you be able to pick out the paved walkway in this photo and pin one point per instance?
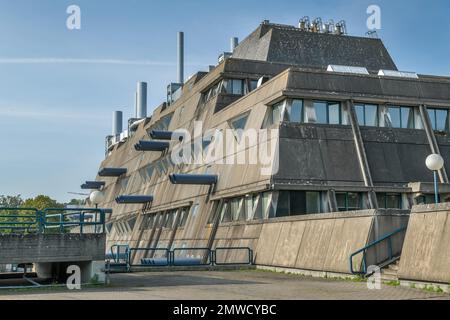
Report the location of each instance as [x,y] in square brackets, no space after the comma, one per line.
[237,285]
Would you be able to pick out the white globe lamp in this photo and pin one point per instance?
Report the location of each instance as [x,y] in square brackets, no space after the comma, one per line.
[435,162]
[97,197]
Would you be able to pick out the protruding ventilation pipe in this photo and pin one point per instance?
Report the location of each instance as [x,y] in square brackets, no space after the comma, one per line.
[112,172]
[117,124]
[134,199]
[234,43]
[166,135]
[194,179]
[141,100]
[160,146]
[93,185]
[181,57]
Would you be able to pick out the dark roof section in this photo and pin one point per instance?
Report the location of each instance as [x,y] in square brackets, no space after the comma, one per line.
[290,45]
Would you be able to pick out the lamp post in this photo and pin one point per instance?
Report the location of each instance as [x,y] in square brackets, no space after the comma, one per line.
[435,163]
[96,198]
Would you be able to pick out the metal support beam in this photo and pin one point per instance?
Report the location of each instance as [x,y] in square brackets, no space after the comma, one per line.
[332,202]
[361,152]
[432,140]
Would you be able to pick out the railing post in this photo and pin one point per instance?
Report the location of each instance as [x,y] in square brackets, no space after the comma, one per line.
[61,225]
[81,222]
[40,220]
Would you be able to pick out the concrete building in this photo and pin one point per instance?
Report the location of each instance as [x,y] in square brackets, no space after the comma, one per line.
[350,132]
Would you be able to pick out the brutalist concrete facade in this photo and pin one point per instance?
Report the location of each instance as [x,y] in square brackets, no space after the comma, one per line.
[327,163]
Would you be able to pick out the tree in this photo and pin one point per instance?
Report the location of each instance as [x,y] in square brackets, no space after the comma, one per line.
[11,201]
[42,202]
[76,202]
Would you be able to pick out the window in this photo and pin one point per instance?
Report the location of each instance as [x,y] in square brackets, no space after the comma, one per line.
[367,115]
[234,86]
[292,203]
[439,119]
[213,91]
[235,207]
[294,111]
[286,110]
[225,212]
[328,112]
[426,199]
[253,85]
[401,117]
[124,183]
[184,216]
[238,124]
[389,200]
[348,201]
[146,173]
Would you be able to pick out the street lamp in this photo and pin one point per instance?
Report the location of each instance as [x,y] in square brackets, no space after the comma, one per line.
[435,163]
[97,197]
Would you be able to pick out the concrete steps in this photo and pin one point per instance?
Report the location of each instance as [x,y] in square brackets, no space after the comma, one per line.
[390,272]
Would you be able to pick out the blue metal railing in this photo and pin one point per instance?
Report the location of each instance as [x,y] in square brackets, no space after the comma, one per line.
[177,257]
[248,251]
[60,220]
[387,237]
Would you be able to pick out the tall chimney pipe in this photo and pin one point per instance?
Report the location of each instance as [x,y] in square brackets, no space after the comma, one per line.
[141,100]
[117,123]
[234,43]
[181,57]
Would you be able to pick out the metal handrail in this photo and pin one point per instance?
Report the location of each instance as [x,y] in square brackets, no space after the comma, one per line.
[387,237]
[249,250]
[170,256]
[39,220]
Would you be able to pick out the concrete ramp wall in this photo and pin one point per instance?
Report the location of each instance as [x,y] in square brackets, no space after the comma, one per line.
[426,252]
[321,242]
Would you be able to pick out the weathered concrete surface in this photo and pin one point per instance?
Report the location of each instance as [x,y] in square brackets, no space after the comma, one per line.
[39,248]
[321,242]
[246,285]
[426,252]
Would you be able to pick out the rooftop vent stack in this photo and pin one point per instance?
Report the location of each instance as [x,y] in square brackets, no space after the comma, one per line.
[141,100]
[181,57]
[234,43]
[117,123]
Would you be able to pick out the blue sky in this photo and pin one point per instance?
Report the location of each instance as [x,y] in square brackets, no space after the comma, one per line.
[55,111]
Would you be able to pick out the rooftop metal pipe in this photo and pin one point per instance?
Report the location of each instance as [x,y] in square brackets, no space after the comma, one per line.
[141,100]
[112,172]
[117,124]
[234,43]
[152,146]
[194,179]
[181,57]
[134,199]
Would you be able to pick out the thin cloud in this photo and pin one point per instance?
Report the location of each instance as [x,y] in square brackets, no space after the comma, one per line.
[49,114]
[90,61]
[84,61]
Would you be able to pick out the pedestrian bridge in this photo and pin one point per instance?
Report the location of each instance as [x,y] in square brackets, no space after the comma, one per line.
[53,239]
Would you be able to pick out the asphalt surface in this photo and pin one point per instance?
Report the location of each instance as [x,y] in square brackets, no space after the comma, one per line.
[229,285]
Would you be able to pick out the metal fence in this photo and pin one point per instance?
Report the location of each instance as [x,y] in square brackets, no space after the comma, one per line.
[179,257]
[52,220]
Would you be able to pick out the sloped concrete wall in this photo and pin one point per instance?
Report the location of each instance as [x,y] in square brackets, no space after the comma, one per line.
[321,242]
[426,251]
